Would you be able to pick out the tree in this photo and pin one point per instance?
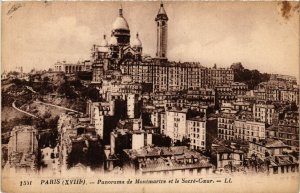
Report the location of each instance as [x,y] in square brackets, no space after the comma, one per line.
[185,142]
[161,140]
[91,93]
[46,79]
[237,66]
[250,77]
[194,113]
[294,107]
[146,117]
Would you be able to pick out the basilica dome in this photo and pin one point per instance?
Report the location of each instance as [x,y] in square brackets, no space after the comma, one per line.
[120,22]
[137,42]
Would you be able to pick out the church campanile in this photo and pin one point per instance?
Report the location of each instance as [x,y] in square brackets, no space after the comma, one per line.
[162,33]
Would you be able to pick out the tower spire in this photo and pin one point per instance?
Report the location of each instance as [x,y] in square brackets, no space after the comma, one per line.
[162,33]
[121,11]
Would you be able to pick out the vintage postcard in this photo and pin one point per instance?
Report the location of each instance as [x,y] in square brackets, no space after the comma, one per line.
[149,96]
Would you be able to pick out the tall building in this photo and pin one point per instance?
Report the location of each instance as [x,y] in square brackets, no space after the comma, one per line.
[226,126]
[162,33]
[263,113]
[196,128]
[176,124]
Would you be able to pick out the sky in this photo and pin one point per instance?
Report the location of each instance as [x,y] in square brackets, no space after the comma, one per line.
[260,35]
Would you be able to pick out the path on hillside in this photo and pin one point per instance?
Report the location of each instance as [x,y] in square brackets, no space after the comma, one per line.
[31,89]
[52,105]
[20,110]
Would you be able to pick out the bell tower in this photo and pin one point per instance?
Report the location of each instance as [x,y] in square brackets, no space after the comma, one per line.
[162,33]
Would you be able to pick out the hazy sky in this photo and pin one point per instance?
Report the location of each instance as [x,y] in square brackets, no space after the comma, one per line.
[258,34]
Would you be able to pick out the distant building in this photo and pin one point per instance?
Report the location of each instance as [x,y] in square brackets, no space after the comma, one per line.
[224,94]
[263,113]
[290,95]
[288,78]
[278,90]
[70,68]
[201,96]
[168,99]
[242,106]
[239,88]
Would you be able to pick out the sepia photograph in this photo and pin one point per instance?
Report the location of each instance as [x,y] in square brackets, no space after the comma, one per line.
[150,96]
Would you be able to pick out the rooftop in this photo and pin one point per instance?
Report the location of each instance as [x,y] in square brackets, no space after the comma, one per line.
[225,149]
[270,143]
[198,118]
[281,160]
[161,151]
[178,109]
[171,164]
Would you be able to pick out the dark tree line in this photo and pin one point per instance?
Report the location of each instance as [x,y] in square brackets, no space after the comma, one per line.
[250,77]
[161,140]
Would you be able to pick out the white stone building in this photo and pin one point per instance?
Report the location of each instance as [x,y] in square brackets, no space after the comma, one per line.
[176,124]
[196,128]
[249,130]
[263,113]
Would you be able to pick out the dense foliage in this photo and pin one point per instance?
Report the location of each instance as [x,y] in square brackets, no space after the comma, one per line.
[250,77]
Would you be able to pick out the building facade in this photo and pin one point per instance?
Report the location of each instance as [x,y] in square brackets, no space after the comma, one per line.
[70,68]
[196,129]
[249,130]
[263,113]
[176,121]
